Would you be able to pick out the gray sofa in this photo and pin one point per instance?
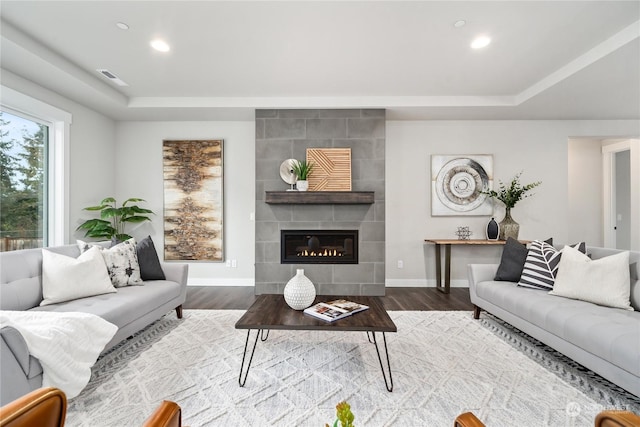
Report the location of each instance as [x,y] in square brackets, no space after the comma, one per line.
[131,308]
[604,340]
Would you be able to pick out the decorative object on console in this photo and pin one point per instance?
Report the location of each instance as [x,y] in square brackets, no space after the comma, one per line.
[541,266]
[463,233]
[493,230]
[113,219]
[299,292]
[509,196]
[459,184]
[193,200]
[287,173]
[302,169]
[332,170]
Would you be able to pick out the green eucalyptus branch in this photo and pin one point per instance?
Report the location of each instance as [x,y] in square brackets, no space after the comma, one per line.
[513,193]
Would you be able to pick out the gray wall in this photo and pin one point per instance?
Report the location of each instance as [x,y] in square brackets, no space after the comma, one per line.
[284,134]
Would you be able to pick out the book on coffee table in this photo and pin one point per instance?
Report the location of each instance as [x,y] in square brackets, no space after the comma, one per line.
[334,310]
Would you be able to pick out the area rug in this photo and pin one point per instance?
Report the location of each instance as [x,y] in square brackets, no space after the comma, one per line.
[443,364]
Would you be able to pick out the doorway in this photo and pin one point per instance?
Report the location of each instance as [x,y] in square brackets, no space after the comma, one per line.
[620,202]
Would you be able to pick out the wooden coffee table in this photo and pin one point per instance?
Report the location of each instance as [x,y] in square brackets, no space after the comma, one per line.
[272,312]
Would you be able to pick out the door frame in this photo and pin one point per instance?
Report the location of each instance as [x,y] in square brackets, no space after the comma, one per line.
[609,189]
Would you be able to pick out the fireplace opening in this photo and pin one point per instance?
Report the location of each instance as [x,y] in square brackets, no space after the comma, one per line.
[318,246]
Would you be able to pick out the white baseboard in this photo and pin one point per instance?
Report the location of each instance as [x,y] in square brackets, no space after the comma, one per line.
[389,283]
[422,283]
[220,282]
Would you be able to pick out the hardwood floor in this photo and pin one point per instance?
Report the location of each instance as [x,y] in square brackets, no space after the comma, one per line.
[241,297]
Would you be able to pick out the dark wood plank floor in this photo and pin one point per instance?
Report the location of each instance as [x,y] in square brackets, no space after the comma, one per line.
[241,297]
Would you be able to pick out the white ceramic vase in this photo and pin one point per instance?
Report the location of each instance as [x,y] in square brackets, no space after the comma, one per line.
[302,185]
[299,292]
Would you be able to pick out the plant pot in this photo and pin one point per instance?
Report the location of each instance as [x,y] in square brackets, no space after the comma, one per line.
[299,292]
[302,185]
[508,227]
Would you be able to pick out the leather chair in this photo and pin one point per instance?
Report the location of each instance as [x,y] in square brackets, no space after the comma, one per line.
[44,407]
[467,420]
[617,419]
[607,418]
[168,414]
[47,407]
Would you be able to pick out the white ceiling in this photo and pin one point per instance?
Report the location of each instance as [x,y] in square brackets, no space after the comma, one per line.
[547,60]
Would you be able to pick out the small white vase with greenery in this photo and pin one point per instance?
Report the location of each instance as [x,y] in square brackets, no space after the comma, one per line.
[302,169]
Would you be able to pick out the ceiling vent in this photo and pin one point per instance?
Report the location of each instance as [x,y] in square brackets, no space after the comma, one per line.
[112,77]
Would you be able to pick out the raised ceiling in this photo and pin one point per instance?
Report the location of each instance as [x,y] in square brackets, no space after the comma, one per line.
[547,60]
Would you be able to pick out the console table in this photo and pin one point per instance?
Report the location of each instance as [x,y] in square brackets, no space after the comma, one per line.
[444,287]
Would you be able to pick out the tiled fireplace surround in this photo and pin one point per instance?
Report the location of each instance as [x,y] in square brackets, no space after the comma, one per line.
[285,134]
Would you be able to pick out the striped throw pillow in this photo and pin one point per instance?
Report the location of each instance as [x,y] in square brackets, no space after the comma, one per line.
[541,266]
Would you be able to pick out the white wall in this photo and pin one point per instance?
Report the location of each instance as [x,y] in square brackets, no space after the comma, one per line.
[139,174]
[585,191]
[539,148]
[91,150]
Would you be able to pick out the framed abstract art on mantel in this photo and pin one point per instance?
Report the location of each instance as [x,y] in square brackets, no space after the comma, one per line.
[458,182]
[193,200]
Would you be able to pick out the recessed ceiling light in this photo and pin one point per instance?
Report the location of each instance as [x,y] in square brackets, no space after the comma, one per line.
[480,42]
[160,45]
[460,23]
[122,26]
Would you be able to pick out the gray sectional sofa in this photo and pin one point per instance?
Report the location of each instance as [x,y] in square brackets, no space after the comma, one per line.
[604,340]
[131,308]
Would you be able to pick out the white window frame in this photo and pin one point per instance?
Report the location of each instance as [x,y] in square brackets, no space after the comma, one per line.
[59,122]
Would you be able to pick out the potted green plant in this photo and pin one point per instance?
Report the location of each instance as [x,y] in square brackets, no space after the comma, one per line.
[509,196]
[113,219]
[302,169]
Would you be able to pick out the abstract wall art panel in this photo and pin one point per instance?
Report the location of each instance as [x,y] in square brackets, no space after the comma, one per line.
[193,202]
[457,183]
[331,169]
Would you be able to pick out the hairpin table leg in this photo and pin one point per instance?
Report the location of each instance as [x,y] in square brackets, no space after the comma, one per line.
[244,355]
[387,382]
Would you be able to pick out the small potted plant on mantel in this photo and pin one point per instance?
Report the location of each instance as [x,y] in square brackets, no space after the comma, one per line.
[302,169]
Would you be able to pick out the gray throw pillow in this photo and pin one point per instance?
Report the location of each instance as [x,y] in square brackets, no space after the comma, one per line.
[512,262]
[150,268]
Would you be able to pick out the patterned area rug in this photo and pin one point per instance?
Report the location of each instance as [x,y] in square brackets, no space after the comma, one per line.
[443,363]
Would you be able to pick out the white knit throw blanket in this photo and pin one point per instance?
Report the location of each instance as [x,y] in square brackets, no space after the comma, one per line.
[66,344]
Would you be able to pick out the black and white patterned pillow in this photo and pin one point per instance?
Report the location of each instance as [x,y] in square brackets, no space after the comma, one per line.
[121,260]
[541,266]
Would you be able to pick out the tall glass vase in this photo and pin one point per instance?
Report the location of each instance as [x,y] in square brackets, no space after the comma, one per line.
[508,227]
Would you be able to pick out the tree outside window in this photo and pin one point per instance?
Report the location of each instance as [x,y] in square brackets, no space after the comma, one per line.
[23,155]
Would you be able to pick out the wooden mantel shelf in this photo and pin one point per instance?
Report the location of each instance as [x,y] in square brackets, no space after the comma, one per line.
[319,197]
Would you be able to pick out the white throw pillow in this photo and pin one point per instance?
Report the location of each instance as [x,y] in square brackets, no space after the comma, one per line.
[121,260]
[66,278]
[605,281]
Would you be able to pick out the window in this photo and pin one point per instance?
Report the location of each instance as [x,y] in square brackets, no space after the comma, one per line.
[23,181]
[34,177]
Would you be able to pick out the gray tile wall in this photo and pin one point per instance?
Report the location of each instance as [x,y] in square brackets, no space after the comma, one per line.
[285,134]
